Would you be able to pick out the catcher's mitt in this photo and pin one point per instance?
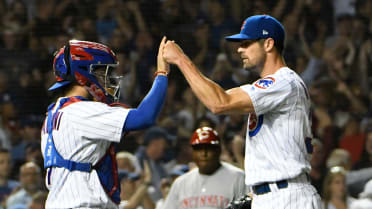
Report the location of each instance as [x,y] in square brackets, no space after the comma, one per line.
[242,203]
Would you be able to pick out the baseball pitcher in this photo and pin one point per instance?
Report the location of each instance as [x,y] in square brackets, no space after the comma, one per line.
[278,138]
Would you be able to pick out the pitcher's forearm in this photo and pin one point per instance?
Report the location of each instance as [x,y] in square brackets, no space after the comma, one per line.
[207,91]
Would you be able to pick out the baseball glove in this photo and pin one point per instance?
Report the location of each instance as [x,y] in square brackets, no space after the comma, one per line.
[244,202]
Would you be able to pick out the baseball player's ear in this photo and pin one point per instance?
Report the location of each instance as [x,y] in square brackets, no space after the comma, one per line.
[269,44]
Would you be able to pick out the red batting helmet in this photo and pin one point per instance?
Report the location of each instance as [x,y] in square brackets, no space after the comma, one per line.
[205,135]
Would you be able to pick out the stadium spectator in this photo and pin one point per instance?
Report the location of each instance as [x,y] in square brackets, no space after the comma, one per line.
[6,184]
[134,191]
[30,179]
[153,151]
[366,157]
[38,200]
[335,195]
[318,167]
[355,179]
[127,161]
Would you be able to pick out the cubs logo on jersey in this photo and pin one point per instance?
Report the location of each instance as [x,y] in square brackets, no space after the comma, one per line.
[255,124]
[264,83]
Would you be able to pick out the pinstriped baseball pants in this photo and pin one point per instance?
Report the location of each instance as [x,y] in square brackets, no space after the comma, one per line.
[296,196]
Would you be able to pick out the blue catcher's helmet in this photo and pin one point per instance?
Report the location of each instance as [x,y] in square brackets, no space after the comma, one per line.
[88,64]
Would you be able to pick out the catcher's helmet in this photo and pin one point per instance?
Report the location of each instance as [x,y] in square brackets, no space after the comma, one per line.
[88,64]
[205,135]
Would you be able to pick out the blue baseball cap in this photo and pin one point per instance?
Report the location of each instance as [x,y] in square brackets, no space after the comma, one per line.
[260,27]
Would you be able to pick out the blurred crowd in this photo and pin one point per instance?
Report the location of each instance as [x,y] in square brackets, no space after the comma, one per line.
[328,44]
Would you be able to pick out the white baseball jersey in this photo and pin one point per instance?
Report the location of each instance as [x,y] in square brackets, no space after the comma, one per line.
[195,190]
[277,131]
[278,142]
[83,133]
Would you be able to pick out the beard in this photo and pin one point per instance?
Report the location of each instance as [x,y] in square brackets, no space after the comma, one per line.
[253,71]
[256,66]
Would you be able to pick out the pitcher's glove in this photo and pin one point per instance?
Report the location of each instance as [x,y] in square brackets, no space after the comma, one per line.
[243,202]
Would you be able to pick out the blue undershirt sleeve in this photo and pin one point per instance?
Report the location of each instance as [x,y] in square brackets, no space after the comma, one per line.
[146,113]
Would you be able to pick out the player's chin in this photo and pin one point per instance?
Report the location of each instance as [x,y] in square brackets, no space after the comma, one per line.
[247,65]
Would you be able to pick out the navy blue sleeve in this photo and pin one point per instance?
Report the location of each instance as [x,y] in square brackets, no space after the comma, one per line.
[146,113]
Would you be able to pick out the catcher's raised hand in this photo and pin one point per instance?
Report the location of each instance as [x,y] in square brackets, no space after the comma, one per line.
[172,53]
[162,65]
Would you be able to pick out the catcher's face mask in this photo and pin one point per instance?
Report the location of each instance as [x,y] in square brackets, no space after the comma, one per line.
[106,76]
